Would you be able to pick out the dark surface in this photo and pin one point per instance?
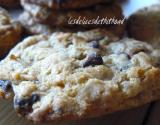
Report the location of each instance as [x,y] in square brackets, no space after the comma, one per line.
[135,116]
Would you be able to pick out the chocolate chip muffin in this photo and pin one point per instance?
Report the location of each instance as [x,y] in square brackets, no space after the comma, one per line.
[67,4]
[10,3]
[145,25]
[10,32]
[79,75]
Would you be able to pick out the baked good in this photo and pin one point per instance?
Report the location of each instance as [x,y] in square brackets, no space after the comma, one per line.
[10,3]
[5,85]
[145,25]
[32,27]
[67,4]
[10,32]
[65,18]
[61,18]
[79,75]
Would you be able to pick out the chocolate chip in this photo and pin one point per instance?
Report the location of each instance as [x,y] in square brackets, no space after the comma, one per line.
[94,44]
[5,85]
[123,68]
[128,56]
[24,106]
[34,98]
[69,43]
[93,60]
[29,102]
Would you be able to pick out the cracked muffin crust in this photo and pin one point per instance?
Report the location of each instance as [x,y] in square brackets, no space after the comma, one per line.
[67,4]
[10,32]
[144,25]
[79,75]
[61,19]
